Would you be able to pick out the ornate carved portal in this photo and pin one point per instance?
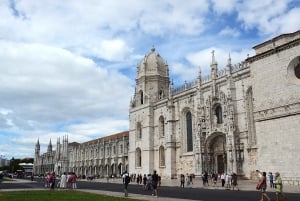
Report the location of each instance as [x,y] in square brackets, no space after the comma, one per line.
[215,154]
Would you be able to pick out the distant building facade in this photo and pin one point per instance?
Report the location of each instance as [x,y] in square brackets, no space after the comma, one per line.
[238,119]
[27,168]
[101,157]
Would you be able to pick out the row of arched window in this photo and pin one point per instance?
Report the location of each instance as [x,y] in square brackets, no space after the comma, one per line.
[138,157]
[161,128]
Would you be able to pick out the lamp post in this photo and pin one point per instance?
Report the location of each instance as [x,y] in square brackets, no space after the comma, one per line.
[12,167]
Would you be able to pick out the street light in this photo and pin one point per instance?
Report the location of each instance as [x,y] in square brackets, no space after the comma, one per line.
[12,167]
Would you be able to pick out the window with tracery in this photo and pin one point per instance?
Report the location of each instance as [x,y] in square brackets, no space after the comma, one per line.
[162,156]
[219,114]
[189,132]
[139,130]
[161,126]
[138,157]
[121,149]
[142,97]
[161,94]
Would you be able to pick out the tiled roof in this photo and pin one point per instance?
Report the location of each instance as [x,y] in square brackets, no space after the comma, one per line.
[107,138]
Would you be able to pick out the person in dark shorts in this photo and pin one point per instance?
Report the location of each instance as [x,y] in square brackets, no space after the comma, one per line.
[154,183]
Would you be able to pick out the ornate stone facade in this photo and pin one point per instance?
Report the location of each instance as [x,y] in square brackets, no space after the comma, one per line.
[238,119]
[101,157]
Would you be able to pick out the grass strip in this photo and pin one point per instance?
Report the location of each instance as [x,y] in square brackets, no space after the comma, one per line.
[56,196]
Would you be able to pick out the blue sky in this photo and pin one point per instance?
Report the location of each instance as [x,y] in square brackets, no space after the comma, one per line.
[69,67]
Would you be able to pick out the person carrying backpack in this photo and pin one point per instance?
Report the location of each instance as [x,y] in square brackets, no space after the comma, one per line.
[126,181]
[154,183]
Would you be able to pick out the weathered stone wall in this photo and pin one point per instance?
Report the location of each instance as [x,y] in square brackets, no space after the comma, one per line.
[277,113]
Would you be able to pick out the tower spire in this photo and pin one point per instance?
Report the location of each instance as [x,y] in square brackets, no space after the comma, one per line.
[49,146]
[229,66]
[37,147]
[213,59]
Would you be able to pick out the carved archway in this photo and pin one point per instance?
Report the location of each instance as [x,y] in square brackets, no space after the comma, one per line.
[216,161]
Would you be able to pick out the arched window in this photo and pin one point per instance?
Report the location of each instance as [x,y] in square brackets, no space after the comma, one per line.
[162,156]
[297,70]
[189,132]
[121,149]
[161,94]
[142,97]
[139,130]
[138,157]
[161,126]
[219,114]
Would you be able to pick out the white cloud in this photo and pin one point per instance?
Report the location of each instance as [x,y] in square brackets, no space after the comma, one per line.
[287,22]
[227,31]
[113,50]
[87,27]
[184,72]
[170,17]
[224,6]
[48,84]
[99,127]
[264,15]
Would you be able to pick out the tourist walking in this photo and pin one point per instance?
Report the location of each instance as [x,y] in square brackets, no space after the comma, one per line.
[223,179]
[279,189]
[145,182]
[205,178]
[271,178]
[52,179]
[63,181]
[74,180]
[126,181]
[182,180]
[262,186]
[149,182]
[234,181]
[154,180]
[228,181]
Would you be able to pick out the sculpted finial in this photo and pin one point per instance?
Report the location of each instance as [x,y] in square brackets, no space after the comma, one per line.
[153,48]
[229,59]
[213,61]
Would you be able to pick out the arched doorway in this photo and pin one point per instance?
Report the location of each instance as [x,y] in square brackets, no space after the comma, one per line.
[216,153]
[120,169]
[113,167]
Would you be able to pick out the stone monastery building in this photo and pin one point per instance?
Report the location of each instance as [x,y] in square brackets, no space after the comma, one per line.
[240,118]
[101,157]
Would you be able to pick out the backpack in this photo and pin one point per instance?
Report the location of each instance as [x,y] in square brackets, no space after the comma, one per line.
[127,179]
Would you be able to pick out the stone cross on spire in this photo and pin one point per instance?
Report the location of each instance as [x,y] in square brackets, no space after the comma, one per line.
[213,60]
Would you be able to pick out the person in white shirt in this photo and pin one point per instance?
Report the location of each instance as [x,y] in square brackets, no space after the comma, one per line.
[63,180]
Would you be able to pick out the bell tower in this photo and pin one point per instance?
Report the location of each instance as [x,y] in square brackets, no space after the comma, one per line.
[152,80]
[152,86]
